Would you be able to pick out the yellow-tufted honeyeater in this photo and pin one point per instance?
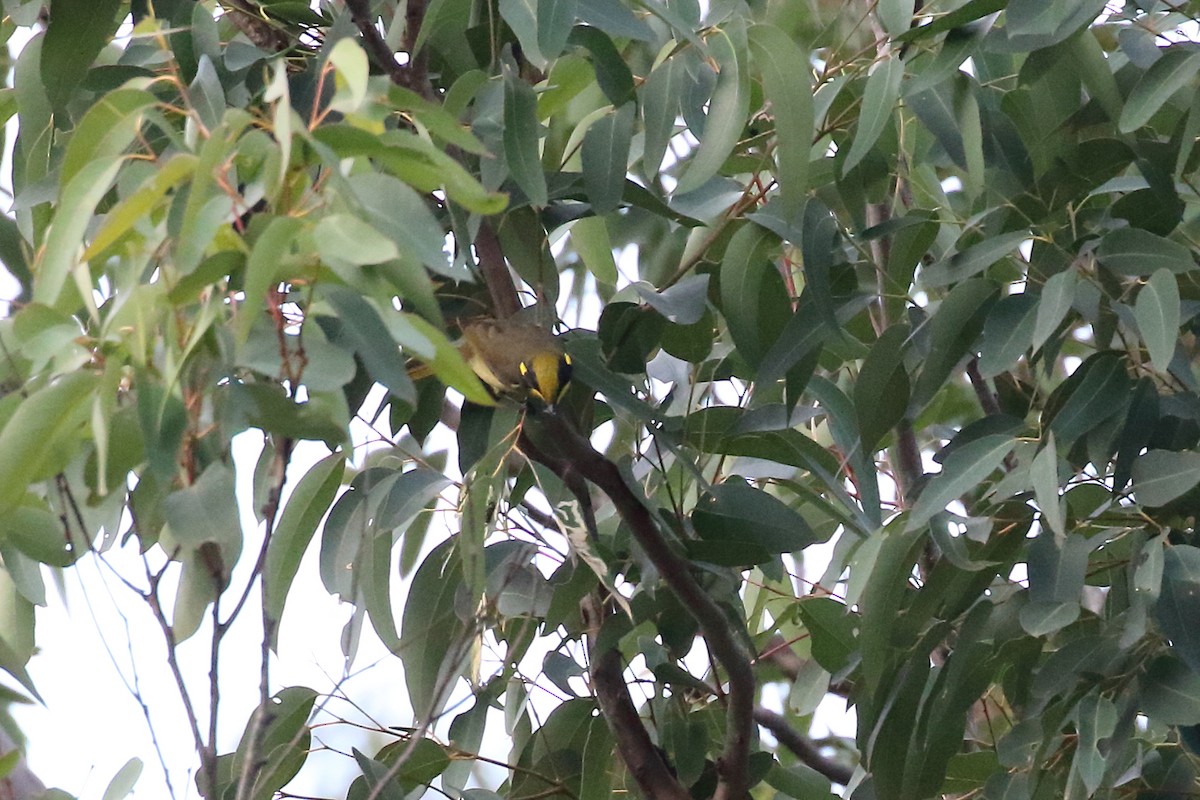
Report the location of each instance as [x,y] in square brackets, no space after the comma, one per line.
[515,358]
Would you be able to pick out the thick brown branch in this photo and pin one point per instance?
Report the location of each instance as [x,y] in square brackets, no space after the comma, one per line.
[983,393]
[496,276]
[418,66]
[801,747]
[612,694]
[572,453]
[409,76]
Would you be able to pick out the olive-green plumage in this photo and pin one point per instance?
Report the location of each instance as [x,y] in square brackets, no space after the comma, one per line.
[516,358]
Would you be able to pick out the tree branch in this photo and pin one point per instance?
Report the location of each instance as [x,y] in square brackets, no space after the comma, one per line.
[802,747]
[983,393]
[496,276]
[572,453]
[271,509]
[249,19]
[612,695]
[409,76]
[908,460]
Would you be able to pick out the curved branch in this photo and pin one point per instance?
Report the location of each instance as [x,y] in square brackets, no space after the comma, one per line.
[412,75]
[573,454]
[802,747]
[612,695]
[496,276]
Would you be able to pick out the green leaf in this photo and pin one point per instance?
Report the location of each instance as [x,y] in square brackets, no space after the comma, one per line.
[720,520]
[407,494]
[1096,717]
[522,17]
[134,208]
[415,161]
[896,15]
[910,242]
[347,239]
[1160,476]
[393,208]
[1166,76]
[40,425]
[953,329]
[268,407]
[283,741]
[521,137]
[960,17]
[1054,303]
[1157,314]
[37,533]
[612,73]
[444,29]
[965,469]
[660,106]
[882,389]
[776,56]
[1171,692]
[1091,397]
[1043,474]
[789,447]
[878,102]
[449,365]
[440,120]
[615,19]
[727,113]
[124,781]
[832,628]
[106,130]
[206,94]
[206,512]
[1178,606]
[1007,333]
[372,341]
[748,276]
[605,155]
[975,259]
[1057,568]
[306,507]
[940,107]
[555,18]
[435,641]
[74,211]
[801,336]
[76,33]
[594,246]
[798,780]
[1133,251]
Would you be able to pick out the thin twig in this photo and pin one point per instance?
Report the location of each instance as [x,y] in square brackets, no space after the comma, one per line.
[168,632]
[271,508]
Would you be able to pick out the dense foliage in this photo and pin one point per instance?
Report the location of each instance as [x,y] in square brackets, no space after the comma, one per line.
[915,281]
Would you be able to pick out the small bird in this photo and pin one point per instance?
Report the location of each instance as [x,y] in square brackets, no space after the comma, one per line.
[515,358]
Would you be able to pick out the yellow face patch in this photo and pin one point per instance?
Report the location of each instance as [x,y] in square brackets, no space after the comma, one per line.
[546,376]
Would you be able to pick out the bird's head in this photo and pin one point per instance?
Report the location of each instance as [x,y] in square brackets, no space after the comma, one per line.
[546,376]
